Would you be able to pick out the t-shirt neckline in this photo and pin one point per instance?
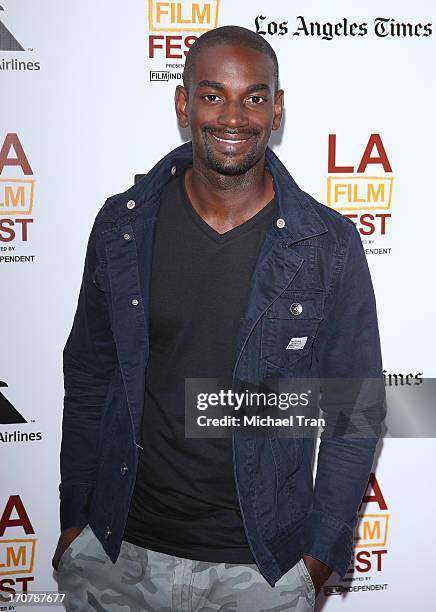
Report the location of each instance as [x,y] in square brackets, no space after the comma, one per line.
[242,228]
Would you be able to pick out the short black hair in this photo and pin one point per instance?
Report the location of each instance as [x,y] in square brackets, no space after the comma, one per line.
[229,35]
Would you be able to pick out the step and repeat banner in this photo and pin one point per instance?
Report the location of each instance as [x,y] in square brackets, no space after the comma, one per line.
[87,102]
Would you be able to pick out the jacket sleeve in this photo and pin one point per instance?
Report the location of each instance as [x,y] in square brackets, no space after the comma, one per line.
[347,346]
[89,358]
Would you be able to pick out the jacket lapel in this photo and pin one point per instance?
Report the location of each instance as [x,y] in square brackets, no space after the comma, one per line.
[275,268]
[277,264]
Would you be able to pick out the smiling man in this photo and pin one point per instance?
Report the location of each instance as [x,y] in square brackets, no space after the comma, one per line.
[214,265]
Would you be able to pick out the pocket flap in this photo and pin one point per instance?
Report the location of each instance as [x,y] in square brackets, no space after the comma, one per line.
[296,305]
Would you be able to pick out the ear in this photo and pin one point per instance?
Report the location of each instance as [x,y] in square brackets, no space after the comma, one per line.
[181,105]
[278,109]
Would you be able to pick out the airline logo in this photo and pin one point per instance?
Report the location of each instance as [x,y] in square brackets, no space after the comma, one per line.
[8,42]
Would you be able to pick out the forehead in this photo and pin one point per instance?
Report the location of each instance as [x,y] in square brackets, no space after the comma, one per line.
[232,66]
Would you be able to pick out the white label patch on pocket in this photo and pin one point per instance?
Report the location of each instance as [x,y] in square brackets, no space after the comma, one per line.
[296,344]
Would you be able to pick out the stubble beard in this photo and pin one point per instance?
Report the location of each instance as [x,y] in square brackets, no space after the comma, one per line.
[228,165]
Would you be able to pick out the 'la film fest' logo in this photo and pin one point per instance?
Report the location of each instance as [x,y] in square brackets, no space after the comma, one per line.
[362,192]
[173,27]
[370,545]
[17,191]
[17,548]
[372,534]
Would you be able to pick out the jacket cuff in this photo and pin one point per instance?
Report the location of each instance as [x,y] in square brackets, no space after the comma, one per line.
[75,500]
[329,540]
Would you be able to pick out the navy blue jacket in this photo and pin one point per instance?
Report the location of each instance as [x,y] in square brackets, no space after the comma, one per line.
[315,259]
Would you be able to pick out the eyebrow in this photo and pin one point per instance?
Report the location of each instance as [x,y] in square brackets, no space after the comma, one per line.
[217,85]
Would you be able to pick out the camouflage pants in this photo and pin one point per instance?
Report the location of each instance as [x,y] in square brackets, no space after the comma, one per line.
[144,580]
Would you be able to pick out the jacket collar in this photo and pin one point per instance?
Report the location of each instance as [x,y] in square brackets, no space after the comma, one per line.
[301,219]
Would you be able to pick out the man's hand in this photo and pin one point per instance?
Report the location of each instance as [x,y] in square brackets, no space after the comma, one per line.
[65,539]
[319,572]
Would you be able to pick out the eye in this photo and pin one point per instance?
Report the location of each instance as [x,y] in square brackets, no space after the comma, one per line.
[211,98]
[257,99]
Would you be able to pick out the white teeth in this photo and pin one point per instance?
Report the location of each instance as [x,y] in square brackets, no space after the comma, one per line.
[227,139]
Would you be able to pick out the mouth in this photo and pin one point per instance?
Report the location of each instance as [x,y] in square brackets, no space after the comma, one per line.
[229,139]
[230,143]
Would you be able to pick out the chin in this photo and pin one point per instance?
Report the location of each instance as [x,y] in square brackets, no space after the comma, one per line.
[230,167]
[229,170]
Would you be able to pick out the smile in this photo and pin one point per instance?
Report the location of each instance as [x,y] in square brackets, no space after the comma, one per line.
[229,140]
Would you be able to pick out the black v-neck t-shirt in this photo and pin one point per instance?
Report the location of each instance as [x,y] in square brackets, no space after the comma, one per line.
[185,501]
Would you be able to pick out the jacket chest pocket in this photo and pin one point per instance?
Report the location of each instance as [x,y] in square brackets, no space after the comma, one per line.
[100,279]
[289,327]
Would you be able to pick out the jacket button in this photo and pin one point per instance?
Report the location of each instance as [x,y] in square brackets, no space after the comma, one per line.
[135,302]
[173,170]
[131,204]
[280,223]
[107,532]
[124,469]
[296,308]
[126,236]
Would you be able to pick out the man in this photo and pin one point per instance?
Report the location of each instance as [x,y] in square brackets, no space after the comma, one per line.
[214,265]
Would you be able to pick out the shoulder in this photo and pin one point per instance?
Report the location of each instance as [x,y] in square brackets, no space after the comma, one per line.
[120,206]
[340,228]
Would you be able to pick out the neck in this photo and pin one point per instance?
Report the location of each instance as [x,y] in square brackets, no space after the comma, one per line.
[226,201]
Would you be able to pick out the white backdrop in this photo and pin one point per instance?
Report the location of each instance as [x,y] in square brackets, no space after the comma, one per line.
[81,116]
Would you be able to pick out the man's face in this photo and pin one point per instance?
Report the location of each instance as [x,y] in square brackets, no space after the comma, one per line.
[230,107]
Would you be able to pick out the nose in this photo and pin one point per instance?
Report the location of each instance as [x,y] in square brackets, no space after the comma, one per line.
[233,114]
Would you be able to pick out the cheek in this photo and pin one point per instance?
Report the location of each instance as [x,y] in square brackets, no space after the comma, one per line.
[203,116]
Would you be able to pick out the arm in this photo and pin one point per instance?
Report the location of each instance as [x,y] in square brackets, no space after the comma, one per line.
[347,346]
[89,360]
